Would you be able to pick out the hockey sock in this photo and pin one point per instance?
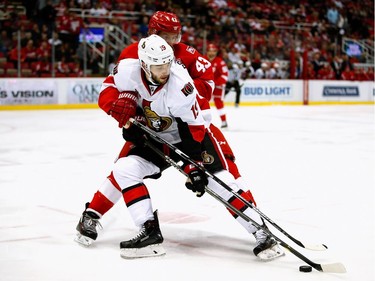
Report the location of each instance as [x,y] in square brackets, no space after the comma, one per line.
[138,201]
[107,195]
[100,203]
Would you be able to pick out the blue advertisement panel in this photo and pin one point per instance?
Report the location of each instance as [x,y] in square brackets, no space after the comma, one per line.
[340,91]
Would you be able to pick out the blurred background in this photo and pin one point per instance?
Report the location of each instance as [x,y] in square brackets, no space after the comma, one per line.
[331,40]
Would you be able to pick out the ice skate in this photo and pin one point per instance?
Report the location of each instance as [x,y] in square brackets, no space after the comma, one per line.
[87,228]
[224,124]
[147,243]
[266,246]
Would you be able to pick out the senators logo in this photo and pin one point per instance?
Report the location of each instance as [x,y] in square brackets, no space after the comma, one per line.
[163,48]
[156,122]
[207,158]
[188,89]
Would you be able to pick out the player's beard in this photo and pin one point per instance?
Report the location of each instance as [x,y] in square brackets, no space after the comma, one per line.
[161,81]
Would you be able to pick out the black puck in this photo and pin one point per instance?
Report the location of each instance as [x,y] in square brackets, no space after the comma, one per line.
[305,268]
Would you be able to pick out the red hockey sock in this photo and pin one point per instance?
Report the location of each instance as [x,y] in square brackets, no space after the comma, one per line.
[100,203]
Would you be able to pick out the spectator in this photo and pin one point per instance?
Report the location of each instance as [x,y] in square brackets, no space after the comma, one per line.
[75,69]
[317,63]
[41,68]
[43,52]
[5,42]
[348,74]
[228,24]
[30,52]
[84,4]
[346,62]
[62,67]
[55,40]
[326,73]
[333,15]
[272,72]
[282,72]
[337,67]
[248,71]
[256,61]
[13,56]
[36,35]
[370,74]
[47,16]
[143,27]
[260,73]
[66,51]
[99,9]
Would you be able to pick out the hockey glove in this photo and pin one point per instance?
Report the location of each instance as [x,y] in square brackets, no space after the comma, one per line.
[124,107]
[197,180]
[133,133]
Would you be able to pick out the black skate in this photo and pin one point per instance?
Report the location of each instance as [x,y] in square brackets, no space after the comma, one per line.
[146,244]
[87,227]
[266,246]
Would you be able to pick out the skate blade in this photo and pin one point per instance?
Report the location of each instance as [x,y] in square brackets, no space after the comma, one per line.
[83,240]
[155,250]
[271,253]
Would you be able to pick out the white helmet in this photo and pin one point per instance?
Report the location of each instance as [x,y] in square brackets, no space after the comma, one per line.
[154,50]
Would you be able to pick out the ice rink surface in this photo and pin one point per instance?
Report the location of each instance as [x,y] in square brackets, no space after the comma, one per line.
[311,169]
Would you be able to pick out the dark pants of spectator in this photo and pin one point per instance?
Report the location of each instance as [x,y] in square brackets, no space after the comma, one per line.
[237,88]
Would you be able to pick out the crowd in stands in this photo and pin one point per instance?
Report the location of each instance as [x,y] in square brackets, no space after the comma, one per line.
[274,39]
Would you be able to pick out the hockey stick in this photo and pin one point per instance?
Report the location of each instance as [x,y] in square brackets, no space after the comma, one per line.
[318,247]
[333,268]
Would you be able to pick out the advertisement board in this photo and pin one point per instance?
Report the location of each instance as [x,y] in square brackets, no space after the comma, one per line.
[49,93]
[340,91]
[83,91]
[28,91]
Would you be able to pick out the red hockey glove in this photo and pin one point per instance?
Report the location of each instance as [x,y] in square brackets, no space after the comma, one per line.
[124,107]
[197,180]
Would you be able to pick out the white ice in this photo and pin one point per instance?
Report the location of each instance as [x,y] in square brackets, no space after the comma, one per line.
[310,168]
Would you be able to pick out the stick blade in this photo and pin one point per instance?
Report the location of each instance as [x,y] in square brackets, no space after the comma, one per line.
[334,268]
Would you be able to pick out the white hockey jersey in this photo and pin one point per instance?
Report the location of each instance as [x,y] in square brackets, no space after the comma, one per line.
[163,104]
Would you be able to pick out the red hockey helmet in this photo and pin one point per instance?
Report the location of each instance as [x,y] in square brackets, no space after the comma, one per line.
[164,21]
[212,47]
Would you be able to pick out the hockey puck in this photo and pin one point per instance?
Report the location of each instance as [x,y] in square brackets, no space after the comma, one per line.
[305,268]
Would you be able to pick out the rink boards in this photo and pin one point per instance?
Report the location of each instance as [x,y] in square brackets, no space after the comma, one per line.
[54,93]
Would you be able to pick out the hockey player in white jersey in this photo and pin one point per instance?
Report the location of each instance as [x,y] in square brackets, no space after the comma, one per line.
[159,91]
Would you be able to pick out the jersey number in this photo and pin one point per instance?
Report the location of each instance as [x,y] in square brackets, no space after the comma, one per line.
[202,64]
[194,109]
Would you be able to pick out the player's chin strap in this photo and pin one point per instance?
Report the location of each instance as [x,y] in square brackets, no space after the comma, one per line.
[334,268]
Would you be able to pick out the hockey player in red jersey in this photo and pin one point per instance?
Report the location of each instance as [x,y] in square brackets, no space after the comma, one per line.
[168,26]
[162,88]
[220,70]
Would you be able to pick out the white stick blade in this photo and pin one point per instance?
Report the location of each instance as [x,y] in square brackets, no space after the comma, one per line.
[334,268]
